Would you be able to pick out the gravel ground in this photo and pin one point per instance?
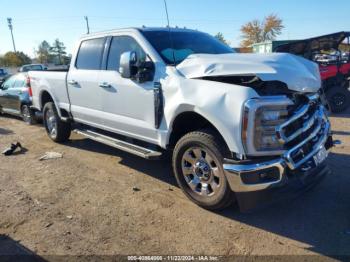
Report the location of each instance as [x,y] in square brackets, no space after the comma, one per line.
[86,203]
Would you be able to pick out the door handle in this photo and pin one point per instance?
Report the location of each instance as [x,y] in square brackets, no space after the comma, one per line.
[104,85]
[72,82]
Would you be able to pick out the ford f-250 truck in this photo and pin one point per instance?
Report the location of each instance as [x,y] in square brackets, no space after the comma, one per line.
[241,127]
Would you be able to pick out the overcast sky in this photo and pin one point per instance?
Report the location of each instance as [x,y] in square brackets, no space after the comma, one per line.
[35,21]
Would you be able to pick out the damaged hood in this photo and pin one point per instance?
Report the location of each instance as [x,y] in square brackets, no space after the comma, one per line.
[297,73]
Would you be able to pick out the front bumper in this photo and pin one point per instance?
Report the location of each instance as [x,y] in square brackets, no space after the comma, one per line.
[274,173]
[257,184]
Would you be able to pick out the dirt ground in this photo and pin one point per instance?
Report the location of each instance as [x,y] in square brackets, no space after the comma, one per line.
[85,204]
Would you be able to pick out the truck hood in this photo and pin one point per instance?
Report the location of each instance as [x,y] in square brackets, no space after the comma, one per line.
[297,73]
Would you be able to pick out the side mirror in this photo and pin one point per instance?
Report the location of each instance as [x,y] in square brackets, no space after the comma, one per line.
[127,64]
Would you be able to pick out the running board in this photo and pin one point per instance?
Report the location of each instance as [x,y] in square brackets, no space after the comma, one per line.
[119,144]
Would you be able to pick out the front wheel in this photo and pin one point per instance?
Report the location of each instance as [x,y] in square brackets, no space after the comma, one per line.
[198,167]
[338,98]
[57,130]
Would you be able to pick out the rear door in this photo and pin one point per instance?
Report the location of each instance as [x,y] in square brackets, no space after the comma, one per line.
[128,106]
[82,81]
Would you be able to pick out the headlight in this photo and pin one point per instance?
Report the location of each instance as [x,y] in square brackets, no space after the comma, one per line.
[261,117]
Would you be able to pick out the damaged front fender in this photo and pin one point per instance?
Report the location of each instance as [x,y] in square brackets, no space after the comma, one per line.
[219,103]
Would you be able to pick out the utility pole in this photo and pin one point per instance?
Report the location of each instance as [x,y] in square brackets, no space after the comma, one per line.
[9,21]
[87,24]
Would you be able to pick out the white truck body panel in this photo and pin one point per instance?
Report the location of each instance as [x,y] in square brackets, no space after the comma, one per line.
[128,107]
[52,82]
[266,108]
[298,73]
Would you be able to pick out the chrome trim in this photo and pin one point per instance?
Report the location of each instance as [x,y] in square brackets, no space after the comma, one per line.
[250,108]
[314,97]
[252,105]
[290,162]
[233,172]
[233,175]
[306,125]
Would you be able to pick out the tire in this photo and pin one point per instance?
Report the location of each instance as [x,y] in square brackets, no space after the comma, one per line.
[338,98]
[198,168]
[56,129]
[28,115]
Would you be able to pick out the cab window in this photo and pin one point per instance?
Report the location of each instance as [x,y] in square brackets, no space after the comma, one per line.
[119,45]
[90,54]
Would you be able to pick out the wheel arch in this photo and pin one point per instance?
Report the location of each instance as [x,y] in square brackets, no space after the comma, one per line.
[45,97]
[189,121]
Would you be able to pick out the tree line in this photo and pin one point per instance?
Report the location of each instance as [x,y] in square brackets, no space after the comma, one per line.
[44,54]
[252,32]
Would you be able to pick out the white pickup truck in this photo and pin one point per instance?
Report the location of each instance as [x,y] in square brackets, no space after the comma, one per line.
[241,127]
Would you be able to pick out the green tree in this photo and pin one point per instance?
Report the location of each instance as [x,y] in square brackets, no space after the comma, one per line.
[58,50]
[44,52]
[66,59]
[221,38]
[257,31]
[12,59]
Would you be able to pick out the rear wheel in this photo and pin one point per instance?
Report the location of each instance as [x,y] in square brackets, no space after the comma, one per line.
[198,167]
[28,115]
[57,130]
[338,98]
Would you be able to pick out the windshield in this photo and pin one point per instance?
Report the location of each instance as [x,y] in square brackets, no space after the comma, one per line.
[2,71]
[184,43]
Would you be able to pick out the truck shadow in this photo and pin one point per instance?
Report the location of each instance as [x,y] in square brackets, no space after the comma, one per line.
[318,219]
[11,250]
[5,132]
[159,169]
[345,114]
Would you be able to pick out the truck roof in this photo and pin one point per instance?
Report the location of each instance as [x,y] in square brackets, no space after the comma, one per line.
[138,29]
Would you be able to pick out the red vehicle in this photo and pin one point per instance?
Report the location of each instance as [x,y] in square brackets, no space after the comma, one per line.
[332,54]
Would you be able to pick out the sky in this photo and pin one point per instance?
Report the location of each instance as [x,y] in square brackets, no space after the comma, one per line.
[35,21]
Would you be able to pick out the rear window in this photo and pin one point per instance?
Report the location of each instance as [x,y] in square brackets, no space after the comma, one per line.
[20,81]
[90,54]
[36,68]
[32,68]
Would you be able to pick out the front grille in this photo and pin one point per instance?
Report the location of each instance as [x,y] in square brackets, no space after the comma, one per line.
[304,131]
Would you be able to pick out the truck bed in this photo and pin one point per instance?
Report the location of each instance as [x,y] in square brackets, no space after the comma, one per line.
[52,81]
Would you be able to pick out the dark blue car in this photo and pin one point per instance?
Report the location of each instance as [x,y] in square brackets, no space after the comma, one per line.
[3,75]
[16,98]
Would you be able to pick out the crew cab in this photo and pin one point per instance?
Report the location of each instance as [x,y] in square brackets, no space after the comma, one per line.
[241,127]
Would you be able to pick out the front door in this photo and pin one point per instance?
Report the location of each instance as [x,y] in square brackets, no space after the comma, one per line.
[128,106]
